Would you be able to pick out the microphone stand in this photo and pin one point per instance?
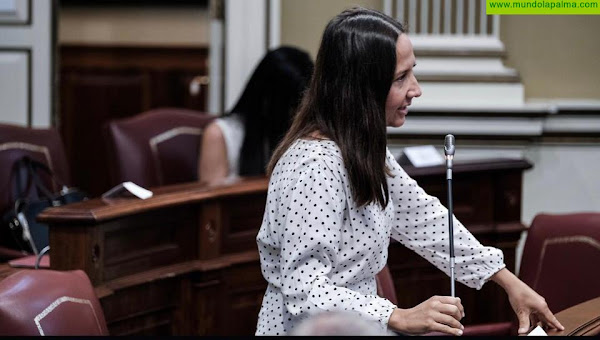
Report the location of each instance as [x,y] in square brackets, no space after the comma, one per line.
[449,153]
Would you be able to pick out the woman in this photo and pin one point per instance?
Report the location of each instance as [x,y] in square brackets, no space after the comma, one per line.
[336,195]
[242,142]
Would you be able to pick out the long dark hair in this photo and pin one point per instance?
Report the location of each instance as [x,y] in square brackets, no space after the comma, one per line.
[346,99]
[268,102]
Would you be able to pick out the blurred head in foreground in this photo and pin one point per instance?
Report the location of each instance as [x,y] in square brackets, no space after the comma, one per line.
[338,323]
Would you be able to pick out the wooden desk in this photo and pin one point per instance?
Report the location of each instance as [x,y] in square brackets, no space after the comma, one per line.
[185,261]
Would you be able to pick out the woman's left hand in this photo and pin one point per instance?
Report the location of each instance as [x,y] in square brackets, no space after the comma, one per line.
[529,306]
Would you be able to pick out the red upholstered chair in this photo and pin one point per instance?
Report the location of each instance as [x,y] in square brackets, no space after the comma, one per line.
[385,285]
[157,147]
[561,258]
[48,302]
[560,261]
[43,145]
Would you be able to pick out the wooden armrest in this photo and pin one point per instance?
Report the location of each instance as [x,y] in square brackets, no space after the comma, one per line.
[581,319]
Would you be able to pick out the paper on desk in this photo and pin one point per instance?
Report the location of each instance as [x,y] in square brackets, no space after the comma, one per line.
[129,187]
[538,331]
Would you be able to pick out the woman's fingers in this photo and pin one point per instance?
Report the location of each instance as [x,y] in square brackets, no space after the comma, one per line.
[523,322]
[549,319]
[439,327]
[451,310]
[448,321]
[453,301]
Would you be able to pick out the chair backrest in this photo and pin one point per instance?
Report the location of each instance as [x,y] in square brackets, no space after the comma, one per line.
[48,302]
[43,145]
[156,147]
[385,285]
[561,258]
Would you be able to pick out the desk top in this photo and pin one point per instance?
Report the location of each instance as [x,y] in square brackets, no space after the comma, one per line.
[99,210]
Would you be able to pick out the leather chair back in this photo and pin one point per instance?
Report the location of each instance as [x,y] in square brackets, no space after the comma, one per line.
[43,145]
[157,147]
[48,302]
[561,258]
[385,285]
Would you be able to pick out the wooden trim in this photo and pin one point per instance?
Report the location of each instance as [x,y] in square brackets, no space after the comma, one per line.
[470,166]
[126,57]
[97,210]
[176,270]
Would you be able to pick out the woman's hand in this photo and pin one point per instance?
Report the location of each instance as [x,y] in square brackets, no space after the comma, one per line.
[437,314]
[529,306]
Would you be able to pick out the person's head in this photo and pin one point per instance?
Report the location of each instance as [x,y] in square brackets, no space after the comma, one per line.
[338,324]
[268,102]
[362,82]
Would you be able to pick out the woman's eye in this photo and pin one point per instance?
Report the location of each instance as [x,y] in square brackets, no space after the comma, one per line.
[402,77]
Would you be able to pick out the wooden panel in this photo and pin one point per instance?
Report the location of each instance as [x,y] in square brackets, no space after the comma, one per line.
[245,288]
[207,296]
[89,100]
[146,309]
[241,216]
[142,242]
[14,82]
[15,12]
[102,83]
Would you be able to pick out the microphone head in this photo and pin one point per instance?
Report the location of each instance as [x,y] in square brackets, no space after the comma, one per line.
[449,145]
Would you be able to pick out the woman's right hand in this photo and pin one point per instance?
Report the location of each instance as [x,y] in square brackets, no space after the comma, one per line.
[437,314]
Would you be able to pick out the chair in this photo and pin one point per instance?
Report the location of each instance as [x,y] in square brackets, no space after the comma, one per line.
[385,285]
[157,147]
[43,145]
[557,247]
[48,302]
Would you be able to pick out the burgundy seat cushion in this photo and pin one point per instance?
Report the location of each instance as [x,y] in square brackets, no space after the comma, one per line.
[157,147]
[47,302]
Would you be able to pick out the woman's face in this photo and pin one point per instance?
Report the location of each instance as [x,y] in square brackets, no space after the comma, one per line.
[405,86]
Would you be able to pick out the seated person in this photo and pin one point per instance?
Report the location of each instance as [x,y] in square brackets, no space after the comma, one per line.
[241,142]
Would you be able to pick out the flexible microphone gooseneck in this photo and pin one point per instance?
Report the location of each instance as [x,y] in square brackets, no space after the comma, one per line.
[449,152]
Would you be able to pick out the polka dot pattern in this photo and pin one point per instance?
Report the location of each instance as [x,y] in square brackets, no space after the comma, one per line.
[319,252]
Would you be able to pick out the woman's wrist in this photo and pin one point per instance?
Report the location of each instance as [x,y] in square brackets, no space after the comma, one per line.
[505,279]
[396,320]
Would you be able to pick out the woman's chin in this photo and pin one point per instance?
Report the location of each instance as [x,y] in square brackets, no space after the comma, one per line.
[398,122]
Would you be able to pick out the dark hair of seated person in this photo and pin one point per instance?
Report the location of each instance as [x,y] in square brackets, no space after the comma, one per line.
[268,104]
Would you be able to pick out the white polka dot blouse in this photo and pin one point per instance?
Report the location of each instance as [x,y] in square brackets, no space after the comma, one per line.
[320,252]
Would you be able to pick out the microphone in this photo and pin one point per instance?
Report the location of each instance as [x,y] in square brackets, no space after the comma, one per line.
[449,146]
[449,152]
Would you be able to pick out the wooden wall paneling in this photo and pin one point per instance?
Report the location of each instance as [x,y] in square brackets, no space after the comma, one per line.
[90,100]
[102,83]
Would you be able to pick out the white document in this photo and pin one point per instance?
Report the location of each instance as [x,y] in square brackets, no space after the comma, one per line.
[538,331]
[426,155]
[128,187]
